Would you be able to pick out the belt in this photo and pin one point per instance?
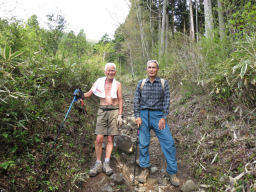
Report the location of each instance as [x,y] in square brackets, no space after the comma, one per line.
[152,109]
[108,107]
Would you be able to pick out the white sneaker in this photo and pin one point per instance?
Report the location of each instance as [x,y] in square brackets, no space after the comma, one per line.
[96,169]
[107,169]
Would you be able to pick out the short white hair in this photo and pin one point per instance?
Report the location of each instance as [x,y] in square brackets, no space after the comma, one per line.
[153,61]
[109,65]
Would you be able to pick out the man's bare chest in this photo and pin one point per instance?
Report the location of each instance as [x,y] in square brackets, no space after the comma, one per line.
[108,87]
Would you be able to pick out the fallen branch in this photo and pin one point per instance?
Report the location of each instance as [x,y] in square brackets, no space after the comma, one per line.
[205,186]
[202,166]
[234,180]
[214,158]
[200,143]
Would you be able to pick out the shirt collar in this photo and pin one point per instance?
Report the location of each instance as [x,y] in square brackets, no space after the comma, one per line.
[157,79]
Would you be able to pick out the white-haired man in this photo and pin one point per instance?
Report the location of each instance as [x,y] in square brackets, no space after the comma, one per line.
[109,116]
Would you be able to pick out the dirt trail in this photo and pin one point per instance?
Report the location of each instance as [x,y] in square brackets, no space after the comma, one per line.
[125,163]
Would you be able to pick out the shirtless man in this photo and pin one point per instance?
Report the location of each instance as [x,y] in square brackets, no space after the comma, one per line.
[109,116]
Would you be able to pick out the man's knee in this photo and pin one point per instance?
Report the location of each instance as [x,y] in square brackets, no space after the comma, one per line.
[144,142]
[110,139]
[99,140]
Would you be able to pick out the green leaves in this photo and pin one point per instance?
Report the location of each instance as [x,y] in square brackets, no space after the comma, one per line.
[37,79]
[238,73]
[5,165]
[7,55]
[243,19]
[243,70]
[5,135]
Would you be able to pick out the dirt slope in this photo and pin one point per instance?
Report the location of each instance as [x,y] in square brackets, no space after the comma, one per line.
[157,159]
[214,145]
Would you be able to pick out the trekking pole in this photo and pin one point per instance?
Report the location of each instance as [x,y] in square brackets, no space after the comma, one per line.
[136,144]
[59,130]
[77,94]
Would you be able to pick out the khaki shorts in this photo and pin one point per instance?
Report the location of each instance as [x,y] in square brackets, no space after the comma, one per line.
[107,120]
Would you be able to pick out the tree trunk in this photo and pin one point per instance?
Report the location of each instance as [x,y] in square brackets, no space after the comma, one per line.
[191,31]
[221,20]
[184,27]
[131,59]
[172,17]
[208,18]
[166,28]
[184,18]
[197,31]
[159,23]
[142,34]
[161,50]
[151,27]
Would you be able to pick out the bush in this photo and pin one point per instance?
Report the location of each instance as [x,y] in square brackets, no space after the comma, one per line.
[235,78]
[34,89]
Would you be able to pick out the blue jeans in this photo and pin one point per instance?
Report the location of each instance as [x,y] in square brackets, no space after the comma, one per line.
[150,120]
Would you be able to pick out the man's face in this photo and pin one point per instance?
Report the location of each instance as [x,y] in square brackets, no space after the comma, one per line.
[110,72]
[152,69]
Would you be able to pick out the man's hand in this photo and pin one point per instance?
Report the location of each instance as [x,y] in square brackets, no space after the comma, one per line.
[161,124]
[119,120]
[138,122]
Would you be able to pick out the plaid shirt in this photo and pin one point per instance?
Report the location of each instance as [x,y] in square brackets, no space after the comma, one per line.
[152,97]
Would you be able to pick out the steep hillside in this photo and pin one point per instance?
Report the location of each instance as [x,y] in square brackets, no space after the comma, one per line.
[215,149]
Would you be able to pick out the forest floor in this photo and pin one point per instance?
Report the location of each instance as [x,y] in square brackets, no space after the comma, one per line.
[213,146]
[94,184]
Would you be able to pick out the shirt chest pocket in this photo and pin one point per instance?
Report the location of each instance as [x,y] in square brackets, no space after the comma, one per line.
[152,93]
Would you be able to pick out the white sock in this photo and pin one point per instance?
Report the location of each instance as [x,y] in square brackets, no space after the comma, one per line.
[107,160]
[98,161]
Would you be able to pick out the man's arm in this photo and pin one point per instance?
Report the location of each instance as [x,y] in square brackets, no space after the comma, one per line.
[166,106]
[166,102]
[120,98]
[120,104]
[136,100]
[89,93]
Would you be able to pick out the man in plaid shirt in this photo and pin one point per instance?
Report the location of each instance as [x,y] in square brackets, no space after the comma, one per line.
[151,108]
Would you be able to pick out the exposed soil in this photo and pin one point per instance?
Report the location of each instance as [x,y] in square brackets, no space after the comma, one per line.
[214,146]
[125,163]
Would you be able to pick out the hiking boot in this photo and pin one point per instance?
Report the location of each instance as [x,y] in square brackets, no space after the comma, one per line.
[174,180]
[107,169]
[96,169]
[142,178]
